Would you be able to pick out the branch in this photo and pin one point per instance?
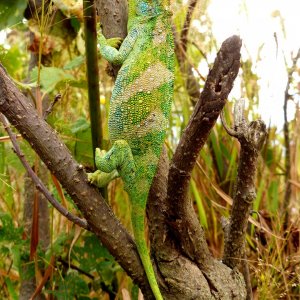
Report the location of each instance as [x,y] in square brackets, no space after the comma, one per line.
[186,26]
[217,87]
[101,220]
[37,181]
[251,137]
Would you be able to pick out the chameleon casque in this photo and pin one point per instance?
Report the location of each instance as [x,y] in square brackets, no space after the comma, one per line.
[139,111]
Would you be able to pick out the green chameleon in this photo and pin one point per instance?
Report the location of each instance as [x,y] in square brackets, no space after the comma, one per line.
[139,111]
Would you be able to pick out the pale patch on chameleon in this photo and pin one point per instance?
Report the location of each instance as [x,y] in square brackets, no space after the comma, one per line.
[159,35]
[152,78]
[156,121]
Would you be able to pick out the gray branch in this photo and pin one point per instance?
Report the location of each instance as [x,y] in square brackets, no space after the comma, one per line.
[251,137]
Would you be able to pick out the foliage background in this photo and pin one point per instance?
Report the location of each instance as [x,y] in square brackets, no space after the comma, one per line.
[84,269]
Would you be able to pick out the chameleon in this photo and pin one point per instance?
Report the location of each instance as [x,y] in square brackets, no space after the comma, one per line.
[139,112]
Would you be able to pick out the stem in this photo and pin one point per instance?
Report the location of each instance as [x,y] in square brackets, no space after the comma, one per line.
[89,14]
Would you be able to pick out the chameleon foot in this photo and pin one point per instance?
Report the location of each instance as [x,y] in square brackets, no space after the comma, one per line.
[101,179]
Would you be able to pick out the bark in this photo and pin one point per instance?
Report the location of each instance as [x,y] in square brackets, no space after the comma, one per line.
[179,276]
[251,138]
[185,267]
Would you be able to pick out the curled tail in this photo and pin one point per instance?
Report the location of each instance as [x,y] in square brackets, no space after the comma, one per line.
[138,224]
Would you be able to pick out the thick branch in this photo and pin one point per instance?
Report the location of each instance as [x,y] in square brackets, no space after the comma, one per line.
[217,87]
[100,218]
[251,138]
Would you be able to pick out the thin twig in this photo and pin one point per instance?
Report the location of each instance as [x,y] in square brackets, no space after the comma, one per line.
[246,274]
[50,108]
[37,181]
[186,26]
[72,266]
[73,178]
[230,131]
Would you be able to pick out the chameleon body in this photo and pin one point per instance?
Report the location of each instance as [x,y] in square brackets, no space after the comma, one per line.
[139,111]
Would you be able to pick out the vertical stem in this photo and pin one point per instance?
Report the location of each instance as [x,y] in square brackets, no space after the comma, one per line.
[286,132]
[89,13]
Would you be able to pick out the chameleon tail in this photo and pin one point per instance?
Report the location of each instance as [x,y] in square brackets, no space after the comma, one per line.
[138,225]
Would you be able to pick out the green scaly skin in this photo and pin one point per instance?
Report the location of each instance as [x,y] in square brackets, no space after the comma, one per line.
[139,112]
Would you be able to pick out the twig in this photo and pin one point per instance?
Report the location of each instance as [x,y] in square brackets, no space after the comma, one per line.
[39,184]
[246,274]
[181,215]
[72,266]
[50,108]
[186,26]
[230,131]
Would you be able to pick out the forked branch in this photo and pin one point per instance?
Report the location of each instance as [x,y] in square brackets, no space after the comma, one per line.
[213,97]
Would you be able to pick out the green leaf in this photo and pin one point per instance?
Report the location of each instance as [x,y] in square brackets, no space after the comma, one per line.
[72,286]
[8,232]
[201,210]
[11,12]
[76,62]
[50,77]
[83,149]
[80,125]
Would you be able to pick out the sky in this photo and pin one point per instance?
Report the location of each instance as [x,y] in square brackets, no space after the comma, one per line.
[256,21]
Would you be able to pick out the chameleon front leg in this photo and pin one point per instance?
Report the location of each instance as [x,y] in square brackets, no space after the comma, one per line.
[102,179]
[118,161]
[119,157]
[115,56]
